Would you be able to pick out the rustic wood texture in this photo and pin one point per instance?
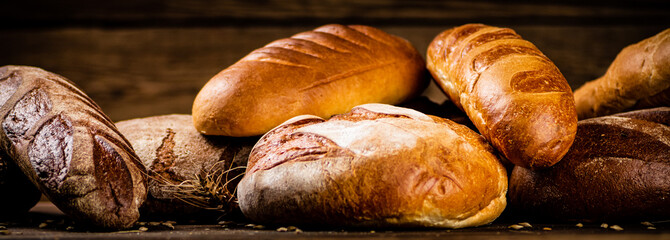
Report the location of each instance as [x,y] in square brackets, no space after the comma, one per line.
[143,58]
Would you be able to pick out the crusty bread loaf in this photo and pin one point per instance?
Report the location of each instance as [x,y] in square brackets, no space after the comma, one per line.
[191,175]
[378,165]
[18,193]
[322,72]
[638,78]
[513,94]
[69,149]
[617,170]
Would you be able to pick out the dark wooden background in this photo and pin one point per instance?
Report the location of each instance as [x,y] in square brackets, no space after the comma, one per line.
[149,57]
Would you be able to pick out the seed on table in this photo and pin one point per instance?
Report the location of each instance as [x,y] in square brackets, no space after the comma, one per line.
[259,227]
[291,228]
[579,225]
[604,225]
[651,228]
[143,229]
[546,228]
[282,229]
[616,227]
[516,226]
[648,224]
[43,225]
[526,224]
[298,230]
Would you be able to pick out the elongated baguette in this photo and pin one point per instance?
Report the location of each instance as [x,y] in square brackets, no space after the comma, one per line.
[638,78]
[514,95]
[69,149]
[322,72]
[378,166]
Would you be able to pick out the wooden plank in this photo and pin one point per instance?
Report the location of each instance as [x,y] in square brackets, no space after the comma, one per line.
[140,72]
[43,13]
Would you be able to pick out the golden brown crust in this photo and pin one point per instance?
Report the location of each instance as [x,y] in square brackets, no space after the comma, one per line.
[191,175]
[69,148]
[639,77]
[514,95]
[378,165]
[617,170]
[321,72]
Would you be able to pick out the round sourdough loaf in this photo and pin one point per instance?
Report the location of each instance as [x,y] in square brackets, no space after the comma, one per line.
[321,72]
[378,165]
[617,169]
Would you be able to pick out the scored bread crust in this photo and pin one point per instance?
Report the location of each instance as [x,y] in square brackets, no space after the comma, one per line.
[378,165]
[63,142]
[638,78]
[321,72]
[515,96]
[617,170]
[190,174]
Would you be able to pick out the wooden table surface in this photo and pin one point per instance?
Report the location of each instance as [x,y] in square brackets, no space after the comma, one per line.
[148,57]
[45,221]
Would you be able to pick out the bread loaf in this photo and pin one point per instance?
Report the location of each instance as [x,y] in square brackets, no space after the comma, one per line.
[514,95]
[18,193]
[69,149]
[617,170]
[190,175]
[377,166]
[638,78]
[322,72]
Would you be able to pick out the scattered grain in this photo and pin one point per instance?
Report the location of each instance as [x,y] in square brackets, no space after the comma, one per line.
[43,225]
[526,224]
[168,225]
[298,230]
[516,226]
[143,229]
[5,232]
[259,227]
[616,227]
[604,225]
[651,228]
[291,228]
[282,229]
[69,228]
[579,225]
[546,228]
[648,224]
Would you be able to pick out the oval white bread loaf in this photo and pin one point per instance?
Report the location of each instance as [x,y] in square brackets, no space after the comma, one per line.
[618,169]
[378,165]
[515,96]
[638,78]
[322,72]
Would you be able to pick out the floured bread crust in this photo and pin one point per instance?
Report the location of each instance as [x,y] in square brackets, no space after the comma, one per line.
[378,165]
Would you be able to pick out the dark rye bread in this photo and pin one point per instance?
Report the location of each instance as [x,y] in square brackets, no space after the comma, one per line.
[18,193]
[190,175]
[617,169]
[69,149]
[515,96]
